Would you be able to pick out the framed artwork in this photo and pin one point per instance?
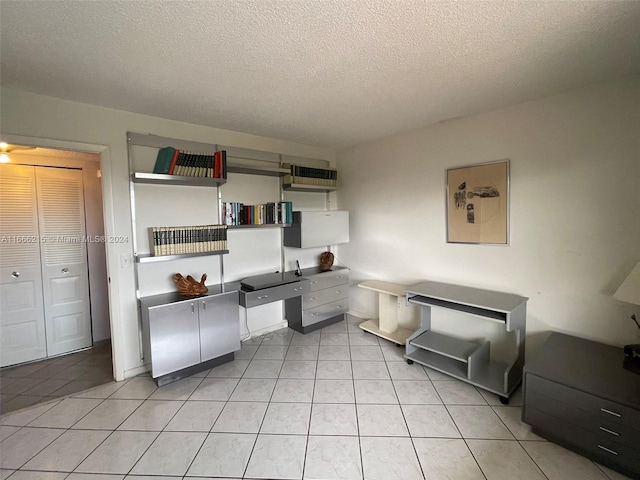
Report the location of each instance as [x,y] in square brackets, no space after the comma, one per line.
[478,204]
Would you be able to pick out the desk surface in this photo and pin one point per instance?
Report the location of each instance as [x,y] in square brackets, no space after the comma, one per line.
[384,287]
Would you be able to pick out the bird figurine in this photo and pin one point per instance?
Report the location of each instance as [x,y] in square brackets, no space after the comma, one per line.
[326,261]
[190,287]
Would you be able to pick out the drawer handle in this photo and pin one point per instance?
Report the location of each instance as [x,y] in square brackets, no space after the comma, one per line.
[338,306]
[339,276]
[314,314]
[338,291]
[296,289]
[610,431]
[313,298]
[262,297]
[610,412]
[607,450]
[314,281]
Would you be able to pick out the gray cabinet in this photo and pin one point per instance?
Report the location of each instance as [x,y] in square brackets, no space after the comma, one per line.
[462,359]
[326,302]
[182,337]
[577,394]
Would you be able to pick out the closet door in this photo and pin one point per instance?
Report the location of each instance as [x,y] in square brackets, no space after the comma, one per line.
[22,326]
[64,259]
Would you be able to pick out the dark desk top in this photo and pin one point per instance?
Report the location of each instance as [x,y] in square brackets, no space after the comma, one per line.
[589,366]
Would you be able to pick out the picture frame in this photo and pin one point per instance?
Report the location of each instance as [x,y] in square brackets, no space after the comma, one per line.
[478,203]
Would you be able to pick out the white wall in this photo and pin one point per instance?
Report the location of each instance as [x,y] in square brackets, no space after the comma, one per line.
[96,252]
[60,121]
[575,210]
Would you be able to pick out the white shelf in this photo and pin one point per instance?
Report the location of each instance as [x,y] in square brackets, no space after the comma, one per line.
[451,347]
[299,187]
[257,170]
[261,225]
[148,258]
[163,179]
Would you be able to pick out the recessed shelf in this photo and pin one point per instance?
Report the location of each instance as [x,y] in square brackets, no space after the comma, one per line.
[148,258]
[163,179]
[446,345]
[299,187]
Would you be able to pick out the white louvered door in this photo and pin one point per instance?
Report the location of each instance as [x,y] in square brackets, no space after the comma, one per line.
[22,326]
[64,259]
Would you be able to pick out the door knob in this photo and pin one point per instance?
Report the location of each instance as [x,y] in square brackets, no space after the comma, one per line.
[15,274]
[65,270]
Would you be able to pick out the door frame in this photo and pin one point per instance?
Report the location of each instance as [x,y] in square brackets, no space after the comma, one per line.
[109,229]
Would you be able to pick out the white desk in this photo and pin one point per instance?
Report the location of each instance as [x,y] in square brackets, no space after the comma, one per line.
[392,306]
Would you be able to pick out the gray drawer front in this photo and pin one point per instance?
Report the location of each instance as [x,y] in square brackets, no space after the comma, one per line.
[320,297]
[584,401]
[605,451]
[274,294]
[596,424]
[324,280]
[323,312]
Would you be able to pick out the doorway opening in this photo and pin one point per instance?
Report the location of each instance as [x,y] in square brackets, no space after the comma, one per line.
[59,371]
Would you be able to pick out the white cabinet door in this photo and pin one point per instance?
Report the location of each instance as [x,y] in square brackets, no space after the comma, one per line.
[64,259]
[22,327]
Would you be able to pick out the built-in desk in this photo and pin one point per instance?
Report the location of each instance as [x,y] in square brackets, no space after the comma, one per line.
[312,300]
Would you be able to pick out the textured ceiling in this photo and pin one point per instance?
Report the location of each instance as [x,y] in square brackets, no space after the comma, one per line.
[330,73]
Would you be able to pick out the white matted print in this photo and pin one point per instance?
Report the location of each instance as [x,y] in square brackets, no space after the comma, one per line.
[478,204]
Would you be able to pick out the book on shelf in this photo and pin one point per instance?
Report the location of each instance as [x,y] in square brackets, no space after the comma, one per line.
[301,175]
[172,161]
[188,239]
[163,160]
[271,213]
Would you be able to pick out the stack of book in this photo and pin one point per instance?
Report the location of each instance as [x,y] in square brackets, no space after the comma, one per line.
[265,214]
[193,239]
[171,161]
[324,177]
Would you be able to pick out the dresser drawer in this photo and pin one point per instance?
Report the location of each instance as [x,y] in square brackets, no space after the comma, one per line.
[607,452]
[273,294]
[584,401]
[323,312]
[320,281]
[596,424]
[320,297]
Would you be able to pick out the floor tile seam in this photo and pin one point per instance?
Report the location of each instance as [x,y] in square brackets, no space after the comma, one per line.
[103,401]
[106,438]
[533,460]
[503,422]
[492,411]
[57,401]
[43,448]
[231,395]
[26,392]
[475,459]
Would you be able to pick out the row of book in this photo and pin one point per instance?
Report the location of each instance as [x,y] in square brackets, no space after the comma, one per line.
[325,177]
[171,161]
[193,239]
[272,213]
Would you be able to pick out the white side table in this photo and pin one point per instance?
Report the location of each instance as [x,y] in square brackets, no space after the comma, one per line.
[392,306]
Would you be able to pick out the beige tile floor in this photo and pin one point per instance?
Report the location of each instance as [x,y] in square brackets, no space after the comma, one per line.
[25,385]
[335,404]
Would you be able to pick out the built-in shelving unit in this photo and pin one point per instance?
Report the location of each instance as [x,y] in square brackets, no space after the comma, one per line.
[460,358]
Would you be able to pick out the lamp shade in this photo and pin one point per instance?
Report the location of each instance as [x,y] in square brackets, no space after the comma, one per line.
[629,291]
